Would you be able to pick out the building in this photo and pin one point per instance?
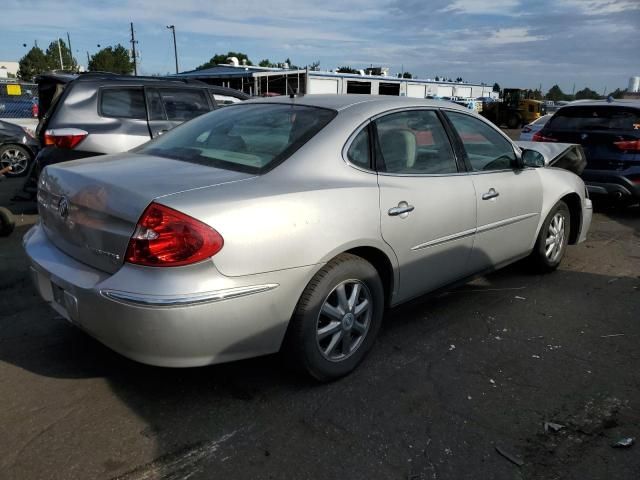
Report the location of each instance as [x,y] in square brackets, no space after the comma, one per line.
[7,68]
[263,81]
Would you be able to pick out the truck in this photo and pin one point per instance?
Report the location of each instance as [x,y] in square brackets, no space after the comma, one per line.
[516,108]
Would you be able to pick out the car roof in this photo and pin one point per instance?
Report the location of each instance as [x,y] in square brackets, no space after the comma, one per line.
[343,102]
[604,103]
[107,77]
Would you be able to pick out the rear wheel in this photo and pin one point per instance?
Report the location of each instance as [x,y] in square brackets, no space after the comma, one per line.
[337,318]
[553,238]
[16,157]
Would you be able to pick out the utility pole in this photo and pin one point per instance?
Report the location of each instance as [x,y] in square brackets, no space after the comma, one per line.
[70,50]
[88,60]
[133,51]
[60,54]
[175,49]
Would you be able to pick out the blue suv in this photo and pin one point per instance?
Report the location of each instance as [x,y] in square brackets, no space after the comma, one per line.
[609,132]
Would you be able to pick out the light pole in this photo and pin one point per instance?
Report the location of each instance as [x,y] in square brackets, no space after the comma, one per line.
[175,49]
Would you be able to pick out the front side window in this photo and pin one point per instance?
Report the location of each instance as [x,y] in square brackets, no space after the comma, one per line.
[486,148]
[246,137]
[182,104]
[414,142]
[123,103]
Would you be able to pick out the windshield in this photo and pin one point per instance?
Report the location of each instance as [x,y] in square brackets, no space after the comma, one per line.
[251,138]
[596,118]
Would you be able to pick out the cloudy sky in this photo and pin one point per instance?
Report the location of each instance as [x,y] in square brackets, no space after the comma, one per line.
[514,42]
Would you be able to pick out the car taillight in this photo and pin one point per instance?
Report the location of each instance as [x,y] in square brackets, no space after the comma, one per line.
[64,137]
[538,137]
[633,145]
[165,237]
[34,110]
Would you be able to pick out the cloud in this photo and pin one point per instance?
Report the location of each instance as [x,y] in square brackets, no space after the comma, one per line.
[475,7]
[601,7]
[513,35]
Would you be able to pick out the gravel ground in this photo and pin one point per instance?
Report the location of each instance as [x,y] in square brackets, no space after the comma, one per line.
[453,377]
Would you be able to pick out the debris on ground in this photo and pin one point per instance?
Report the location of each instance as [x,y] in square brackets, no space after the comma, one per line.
[518,297]
[552,427]
[612,335]
[509,456]
[452,347]
[624,442]
[535,356]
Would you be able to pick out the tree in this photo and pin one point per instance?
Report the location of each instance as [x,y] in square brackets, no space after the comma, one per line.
[437,78]
[315,66]
[496,87]
[53,56]
[112,59]
[220,58]
[459,80]
[536,94]
[347,70]
[587,94]
[618,93]
[32,64]
[407,75]
[266,63]
[555,93]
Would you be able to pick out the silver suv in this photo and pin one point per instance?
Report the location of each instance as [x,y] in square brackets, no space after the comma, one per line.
[83,115]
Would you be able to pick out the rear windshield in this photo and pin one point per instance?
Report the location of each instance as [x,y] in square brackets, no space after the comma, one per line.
[596,118]
[251,138]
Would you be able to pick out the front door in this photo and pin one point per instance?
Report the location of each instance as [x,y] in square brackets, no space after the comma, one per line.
[427,207]
[508,198]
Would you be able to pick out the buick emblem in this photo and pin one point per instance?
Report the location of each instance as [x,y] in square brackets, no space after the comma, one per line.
[63,208]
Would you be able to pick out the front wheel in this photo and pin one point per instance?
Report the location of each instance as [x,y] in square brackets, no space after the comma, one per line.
[553,239]
[16,157]
[337,318]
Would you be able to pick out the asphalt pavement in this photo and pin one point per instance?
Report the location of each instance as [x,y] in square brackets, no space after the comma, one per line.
[454,379]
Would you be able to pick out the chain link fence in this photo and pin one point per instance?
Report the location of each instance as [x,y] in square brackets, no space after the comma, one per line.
[18,100]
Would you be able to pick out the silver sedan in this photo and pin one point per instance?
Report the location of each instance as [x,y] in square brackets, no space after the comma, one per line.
[291,223]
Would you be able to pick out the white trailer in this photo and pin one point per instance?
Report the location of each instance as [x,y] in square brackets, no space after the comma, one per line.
[444,91]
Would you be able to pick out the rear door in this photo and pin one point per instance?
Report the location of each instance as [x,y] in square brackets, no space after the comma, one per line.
[508,199]
[605,132]
[427,206]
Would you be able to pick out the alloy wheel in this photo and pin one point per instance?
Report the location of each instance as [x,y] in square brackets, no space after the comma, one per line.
[344,320]
[554,242]
[14,158]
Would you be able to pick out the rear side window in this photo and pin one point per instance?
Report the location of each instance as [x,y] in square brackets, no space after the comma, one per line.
[359,151]
[183,104]
[246,137]
[596,118]
[123,103]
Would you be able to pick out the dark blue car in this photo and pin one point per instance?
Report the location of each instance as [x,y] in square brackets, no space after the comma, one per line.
[609,132]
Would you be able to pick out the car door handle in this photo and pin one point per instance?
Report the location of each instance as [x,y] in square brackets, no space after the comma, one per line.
[402,210]
[490,194]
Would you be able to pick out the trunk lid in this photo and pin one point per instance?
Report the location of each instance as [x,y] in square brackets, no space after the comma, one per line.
[89,208]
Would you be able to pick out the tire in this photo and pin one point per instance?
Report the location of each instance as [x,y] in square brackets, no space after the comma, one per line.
[513,121]
[319,320]
[6,222]
[542,259]
[16,157]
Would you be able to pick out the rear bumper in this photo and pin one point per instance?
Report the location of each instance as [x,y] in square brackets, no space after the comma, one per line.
[177,317]
[613,183]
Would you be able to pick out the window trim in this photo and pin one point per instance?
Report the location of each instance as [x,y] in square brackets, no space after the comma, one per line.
[375,152]
[101,91]
[460,144]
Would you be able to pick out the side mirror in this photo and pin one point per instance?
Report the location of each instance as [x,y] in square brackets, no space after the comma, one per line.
[531,158]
